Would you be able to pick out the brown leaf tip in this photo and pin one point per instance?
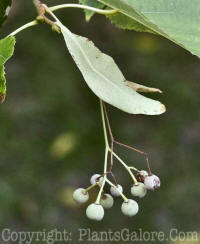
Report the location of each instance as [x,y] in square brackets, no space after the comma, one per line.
[2,98]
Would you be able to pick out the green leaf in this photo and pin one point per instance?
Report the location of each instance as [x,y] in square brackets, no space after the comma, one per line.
[6,51]
[177,20]
[4,9]
[105,78]
[91,3]
[124,22]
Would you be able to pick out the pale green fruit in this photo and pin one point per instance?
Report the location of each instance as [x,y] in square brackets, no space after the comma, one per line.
[96,178]
[107,201]
[138,190]
[95,212]
[130,208]
[80,195]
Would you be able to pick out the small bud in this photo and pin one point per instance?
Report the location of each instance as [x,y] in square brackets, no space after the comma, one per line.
[80,196]
[96,178]
[40,18]
[107,201]
[152,182]
[95,212]
[56,28]
[138,190]
[114,191]
[130,208]
[141,175]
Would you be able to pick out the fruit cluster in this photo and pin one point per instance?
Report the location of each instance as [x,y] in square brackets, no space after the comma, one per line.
[95,211]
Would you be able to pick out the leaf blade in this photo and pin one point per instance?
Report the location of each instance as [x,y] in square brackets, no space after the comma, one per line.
[6,51]
[177,20]
[104,77]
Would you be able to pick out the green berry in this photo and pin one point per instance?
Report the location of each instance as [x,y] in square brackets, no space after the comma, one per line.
[138,190]
[129,208]
[95,212]
[107,201]
[80,195]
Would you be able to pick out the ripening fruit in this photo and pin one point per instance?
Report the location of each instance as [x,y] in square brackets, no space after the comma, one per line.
[80,195]
[138,190]
[107,201]
[95,212]
[114,191]
[152,182]
[141,175]
[130,208]
[96,178]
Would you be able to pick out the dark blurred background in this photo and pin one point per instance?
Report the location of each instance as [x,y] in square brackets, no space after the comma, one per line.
[51,138]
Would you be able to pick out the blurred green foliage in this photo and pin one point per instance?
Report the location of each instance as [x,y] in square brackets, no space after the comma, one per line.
[37,177]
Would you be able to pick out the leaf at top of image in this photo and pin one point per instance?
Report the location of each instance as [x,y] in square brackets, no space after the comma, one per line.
[4,10]
[6,51]
[177,20]
[105,79]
